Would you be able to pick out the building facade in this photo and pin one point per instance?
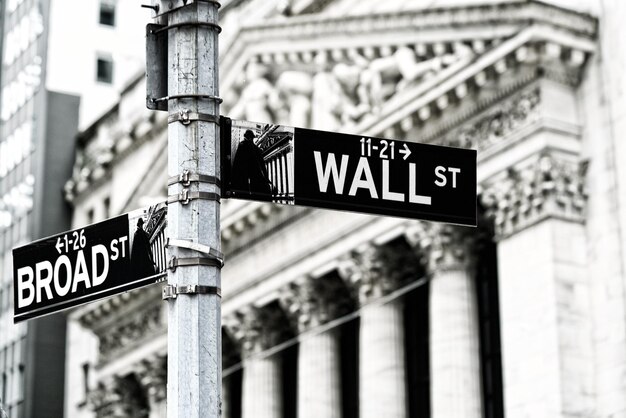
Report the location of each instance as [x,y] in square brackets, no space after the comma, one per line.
[333,314]
[44,44]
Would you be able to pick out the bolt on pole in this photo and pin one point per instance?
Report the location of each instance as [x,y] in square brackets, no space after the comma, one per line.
[194,366]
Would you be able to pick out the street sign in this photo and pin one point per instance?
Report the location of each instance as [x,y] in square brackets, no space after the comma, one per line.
[90,263]
[348,172]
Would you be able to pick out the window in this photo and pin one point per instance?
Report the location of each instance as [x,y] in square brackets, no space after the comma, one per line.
[105,70]
[107,13]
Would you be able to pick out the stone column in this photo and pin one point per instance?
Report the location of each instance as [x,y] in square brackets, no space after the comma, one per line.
[311,303]
[152,374]
[538,210]
[256,330]
[454,327]
[382,375]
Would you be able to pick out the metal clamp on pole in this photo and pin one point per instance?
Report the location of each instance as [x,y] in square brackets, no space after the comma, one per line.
[172,291]
[185,116]
[188,96]
[186,196]
[169,6]
[210,25]
[210,261]
[201,248]
[187,177]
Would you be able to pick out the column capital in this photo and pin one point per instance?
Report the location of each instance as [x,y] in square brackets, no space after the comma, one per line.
[152,374]
[546,187]
[442,246]
[311,302]
[256,329]
[373,271]
[114,397]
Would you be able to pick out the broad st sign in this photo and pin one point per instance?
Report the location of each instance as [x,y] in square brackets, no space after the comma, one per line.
[349,172]
[89,263]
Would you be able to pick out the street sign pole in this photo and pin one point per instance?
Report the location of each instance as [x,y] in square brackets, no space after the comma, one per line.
[194,366]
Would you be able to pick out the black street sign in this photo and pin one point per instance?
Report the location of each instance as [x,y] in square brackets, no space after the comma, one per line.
[348,172]
[90,263]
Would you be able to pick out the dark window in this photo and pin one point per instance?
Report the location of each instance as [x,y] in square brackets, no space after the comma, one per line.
[86,379]
[105,70]
[107,13]
[90,216]
[107,207]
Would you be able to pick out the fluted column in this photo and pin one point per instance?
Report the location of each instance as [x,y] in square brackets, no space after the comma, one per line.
[547,354]
[454,327]
[256,330]
[311,303]
[382,375]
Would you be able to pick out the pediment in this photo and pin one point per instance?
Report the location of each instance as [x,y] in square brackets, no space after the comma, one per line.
[383,72]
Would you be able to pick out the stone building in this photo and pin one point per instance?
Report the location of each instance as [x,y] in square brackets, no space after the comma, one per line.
[333,314]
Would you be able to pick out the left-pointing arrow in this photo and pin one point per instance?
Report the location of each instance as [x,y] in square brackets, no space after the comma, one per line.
[59,245]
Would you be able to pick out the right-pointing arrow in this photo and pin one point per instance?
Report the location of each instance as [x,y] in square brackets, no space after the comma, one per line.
[406,151]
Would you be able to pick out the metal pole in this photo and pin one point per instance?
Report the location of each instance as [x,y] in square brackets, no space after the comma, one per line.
[194,366]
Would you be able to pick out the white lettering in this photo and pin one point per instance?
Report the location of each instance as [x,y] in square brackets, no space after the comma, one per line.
[123,241]
[23,285]
[415,198]
[443,178]
[359,182]
[43,282]
[81,274]
[62,261]
[454,170]
[388,195]
[98,279]
[115,251]
[324,173]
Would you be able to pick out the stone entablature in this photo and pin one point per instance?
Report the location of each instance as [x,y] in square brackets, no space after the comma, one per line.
[369,84]
[125,321]
[416,81]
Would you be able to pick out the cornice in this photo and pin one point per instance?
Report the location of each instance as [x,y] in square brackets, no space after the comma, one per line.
[103,314]
[534,53]
[294,39]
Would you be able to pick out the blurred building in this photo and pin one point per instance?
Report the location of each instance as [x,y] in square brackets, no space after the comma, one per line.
[332,314]
[53,52]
